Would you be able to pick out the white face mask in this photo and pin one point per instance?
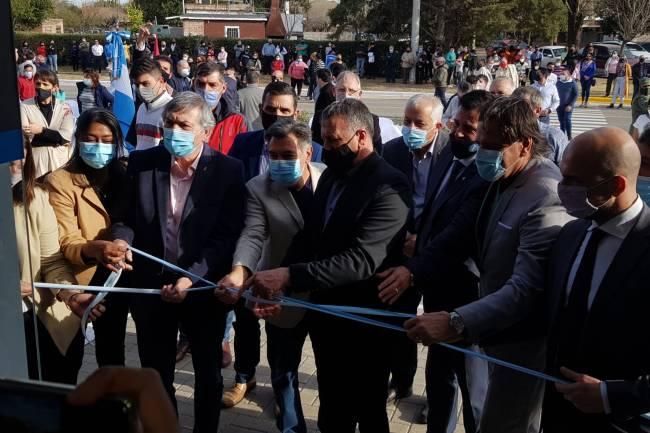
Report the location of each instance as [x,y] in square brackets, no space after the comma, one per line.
[148,94]
[28,74]
[185,73]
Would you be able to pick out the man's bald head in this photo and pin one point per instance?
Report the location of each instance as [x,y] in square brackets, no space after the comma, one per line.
[606,162]
[502,86]
[604,152]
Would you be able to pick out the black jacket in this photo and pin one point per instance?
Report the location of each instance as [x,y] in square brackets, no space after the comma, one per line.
[365,234]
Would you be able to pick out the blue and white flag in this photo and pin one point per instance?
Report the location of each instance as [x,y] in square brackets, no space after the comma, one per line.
[124,104]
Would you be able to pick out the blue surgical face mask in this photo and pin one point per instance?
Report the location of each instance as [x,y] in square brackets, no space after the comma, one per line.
[285,172]
[178,142]
[88,82]
[211,97]
[488,164]
[414,138]
[97,155]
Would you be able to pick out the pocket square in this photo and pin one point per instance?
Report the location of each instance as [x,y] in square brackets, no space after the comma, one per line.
[505,226]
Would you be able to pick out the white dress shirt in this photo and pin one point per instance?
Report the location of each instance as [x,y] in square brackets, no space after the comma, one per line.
[616,230]
[550,97]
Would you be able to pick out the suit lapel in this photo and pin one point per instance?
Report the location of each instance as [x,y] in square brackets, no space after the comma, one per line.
[161,179]
[438,155]
[284,195]
[199,182]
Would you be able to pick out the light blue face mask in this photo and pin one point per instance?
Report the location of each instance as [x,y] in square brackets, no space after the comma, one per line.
[97,155]
[285,172]
[178,142]
[488,164]
[414,138]
[210,97]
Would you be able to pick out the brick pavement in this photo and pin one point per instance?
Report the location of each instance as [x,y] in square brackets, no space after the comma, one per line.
[255,413]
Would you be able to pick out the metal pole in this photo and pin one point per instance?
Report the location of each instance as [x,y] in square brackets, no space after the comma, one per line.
[415,34]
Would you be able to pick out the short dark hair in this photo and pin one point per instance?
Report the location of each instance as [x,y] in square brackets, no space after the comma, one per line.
[516,122]
[543,72]
[164,59]
[324,75]
[355,112]
[464,86]
[476,100]
[145,66]
[209,68]
[472,79]
[283,127]
[28,65]
[280,88]
[252,77]
[47,75]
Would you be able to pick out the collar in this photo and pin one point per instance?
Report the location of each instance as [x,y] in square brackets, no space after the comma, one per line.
[176,168]
[429,152]
[621,225]
[160,101]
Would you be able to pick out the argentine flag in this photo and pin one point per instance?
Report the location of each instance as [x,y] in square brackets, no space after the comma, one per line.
[124,104]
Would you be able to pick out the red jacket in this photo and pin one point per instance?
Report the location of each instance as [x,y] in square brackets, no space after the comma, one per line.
[277,65]
[229,124]
[26,88]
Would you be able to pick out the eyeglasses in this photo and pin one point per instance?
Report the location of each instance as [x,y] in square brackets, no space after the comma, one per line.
[348,92]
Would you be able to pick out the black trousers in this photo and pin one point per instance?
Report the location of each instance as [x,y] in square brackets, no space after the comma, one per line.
[203,318]
[297,86]
[247,342]
[403,361]
[110,330]
[610,79]
[55,366]
[352,365]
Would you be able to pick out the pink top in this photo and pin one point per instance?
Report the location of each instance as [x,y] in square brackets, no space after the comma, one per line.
[297,70]
[612,64]
[180,183]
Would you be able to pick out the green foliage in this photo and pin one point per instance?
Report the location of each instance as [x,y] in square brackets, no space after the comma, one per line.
[135,16]
[29,14]
[159,9]
[350,15]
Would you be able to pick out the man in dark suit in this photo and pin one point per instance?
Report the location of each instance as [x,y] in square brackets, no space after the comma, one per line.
[414,154]
[597,291]
[357,229]
[187,205]
[441,267]
[251,148]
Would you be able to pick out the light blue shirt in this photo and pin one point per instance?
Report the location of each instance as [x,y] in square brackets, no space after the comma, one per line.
[421,169]
[643,189]
[557,140]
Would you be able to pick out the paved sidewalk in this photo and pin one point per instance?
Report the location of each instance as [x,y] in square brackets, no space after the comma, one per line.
[255,413]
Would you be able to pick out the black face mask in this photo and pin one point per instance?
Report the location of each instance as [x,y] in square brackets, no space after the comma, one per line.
[42,94]
[270,119]
[165,76]
[339,160]
[462,148]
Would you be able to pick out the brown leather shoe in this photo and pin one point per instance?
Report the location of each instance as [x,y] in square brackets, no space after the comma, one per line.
[226,359]
[232,397]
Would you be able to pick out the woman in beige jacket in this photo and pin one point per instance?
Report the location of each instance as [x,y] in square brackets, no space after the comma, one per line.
[87,194]
[60,342]
[48,123]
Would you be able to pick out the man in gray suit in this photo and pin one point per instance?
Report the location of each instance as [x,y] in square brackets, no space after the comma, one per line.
[278,205]
[520,218]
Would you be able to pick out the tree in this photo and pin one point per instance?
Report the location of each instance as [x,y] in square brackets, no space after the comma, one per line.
[159,9]
[135,16]
[575,17]
[348,15]
[28,14]
[538,19]
[70,14]
[629,18]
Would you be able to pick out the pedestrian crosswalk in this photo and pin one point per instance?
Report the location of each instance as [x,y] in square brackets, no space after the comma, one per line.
[584,119]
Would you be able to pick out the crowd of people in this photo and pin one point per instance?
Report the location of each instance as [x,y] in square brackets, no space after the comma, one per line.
[518,242]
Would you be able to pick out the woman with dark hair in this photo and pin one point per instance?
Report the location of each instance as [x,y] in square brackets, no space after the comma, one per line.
[91,93]
[87,194]
[49,124]
[56,325]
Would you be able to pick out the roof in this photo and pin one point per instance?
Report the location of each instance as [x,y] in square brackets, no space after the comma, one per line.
[221,17]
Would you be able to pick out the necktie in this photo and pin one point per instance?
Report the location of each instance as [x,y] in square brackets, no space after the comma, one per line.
[577,308]
[456,168]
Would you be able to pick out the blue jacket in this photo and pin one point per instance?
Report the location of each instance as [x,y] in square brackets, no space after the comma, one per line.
[568,92]
[248,148]
[103,98]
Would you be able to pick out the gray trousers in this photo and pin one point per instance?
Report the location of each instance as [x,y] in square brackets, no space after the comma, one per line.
[513,403]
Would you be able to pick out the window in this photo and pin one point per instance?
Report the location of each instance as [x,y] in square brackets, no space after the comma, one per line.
[232,32]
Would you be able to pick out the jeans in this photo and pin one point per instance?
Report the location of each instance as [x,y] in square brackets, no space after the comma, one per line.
[586,89]
[446,371]
[565,120]
[312,86]
[390,74]
[247,343]
[619,90]
[440,93]
[230,318]
[52,60]
[361,65]
[284,351]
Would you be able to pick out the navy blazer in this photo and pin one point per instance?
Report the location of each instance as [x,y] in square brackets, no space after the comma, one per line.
[248,148]
[212,219]
[446,238]
[615,346]
[397,154]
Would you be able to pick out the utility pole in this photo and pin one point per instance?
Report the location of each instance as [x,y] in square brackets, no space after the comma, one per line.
[415,35]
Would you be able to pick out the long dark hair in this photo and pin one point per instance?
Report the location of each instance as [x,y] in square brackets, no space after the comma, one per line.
[97,178]
[29,181]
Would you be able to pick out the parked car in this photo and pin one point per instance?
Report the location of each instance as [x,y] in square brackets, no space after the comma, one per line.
[635,48]
[553,53]
[604,51]
[645,45]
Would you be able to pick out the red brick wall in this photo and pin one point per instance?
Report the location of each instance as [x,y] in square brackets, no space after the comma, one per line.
[247,29]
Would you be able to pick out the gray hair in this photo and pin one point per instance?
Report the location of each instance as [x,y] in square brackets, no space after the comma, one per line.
[283,127]
[505,80]
[530,95]
[185,101]
[345,74]
[182,63]
[354,112]
[421,99]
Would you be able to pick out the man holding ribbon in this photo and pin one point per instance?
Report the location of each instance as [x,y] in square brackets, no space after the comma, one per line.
[357,228]
[186,204]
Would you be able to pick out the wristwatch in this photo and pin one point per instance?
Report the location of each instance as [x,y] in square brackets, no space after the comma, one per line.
[456,323]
